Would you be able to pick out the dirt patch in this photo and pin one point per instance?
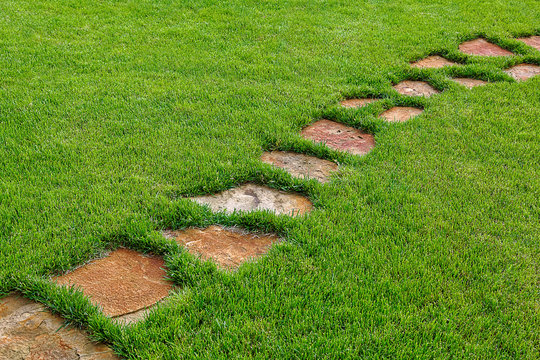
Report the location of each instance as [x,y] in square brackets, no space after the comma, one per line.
[401,113]
[533,41]
[415,88]
[229,248]
[482,47]
[523,72]
[470,83]
[300,165]
[251,197]
[357,103]
[122,283]
[433,62]
[29,332]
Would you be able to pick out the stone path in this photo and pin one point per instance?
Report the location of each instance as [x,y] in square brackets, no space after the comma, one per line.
[533,41]
[523,72]
[300,165]
[357,103]
[415,88]
[470,83]
[401,113]
[482,47]
[433,62]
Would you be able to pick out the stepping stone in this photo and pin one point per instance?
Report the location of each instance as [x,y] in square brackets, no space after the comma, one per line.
[400,113]
[433,62]
[357,103]
[300,165]
[29,331]
[523,72]
[415,88]
[251,197]
[533,41]
[470,83]
[482,47]
[229,248]
[123,283]
[339,137]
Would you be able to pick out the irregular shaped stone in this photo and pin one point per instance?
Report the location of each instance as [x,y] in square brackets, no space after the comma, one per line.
[122,283]
[433,62]
[357,103]
[523,72]
[29,332]
[251,197]
[533,41]
[482,47]
[470,83]
[300,165]
[229,248]
[415,88]
[401,113]
[339,137]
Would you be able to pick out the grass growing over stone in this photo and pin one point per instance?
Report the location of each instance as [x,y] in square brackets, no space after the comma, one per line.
[113,112]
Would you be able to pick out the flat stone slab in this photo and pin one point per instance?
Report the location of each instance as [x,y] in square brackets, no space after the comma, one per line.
[300,165]
[401,113]
[433,62]
[533,41]
[29,332]
[122,283]
[482,47]
[339,137]
[523,72]
[251,197]
[470,83]
[229,248]
[357,103]
[415,88]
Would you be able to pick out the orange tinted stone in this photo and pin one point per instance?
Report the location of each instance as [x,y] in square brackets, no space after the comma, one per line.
[470,83]
[415,88]
[482,47]
[300,165]
[523,72]
[357,103]
[533,41]
[433,62]
[401,113]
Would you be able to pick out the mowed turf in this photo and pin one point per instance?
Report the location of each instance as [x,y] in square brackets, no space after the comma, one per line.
[113,112]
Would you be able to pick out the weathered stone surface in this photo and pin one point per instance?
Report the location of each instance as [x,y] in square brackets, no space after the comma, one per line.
[401,113]
[357,103]
[339,137]
[470,83]
[433,62]
[229,248]
[122,283]
[29,332]
[250,197]
[482,47]
[523,72]
[533,41]
[415,88]
[300,165]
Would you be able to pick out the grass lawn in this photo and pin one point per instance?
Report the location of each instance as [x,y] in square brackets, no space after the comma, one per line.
[113,112]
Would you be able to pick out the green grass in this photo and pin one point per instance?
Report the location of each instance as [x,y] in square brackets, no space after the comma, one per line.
[112,112]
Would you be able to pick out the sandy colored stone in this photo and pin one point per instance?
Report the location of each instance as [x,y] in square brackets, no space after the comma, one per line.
[29,332]
[470,83]
[229,248]
[415,88]
[482,47]
[251,197]
[401,113]
[357,103]
[339,137]
[122,283]
[523,72]
[533,41]
[433,62]
[300,165]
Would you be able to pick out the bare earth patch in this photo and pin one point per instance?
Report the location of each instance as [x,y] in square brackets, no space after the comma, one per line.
[122,283]
[523,72]
[482,47]
[533,41]
[470,83]
[357,103]
[300,165]
[401,113]
[415,88]
[251,197]
[433,62]
[229,248]
[29,332]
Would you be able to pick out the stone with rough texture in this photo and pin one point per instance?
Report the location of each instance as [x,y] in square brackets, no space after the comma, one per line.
[122,283]
[482,47]
[533,41]
[229,247]
[433,62]
[523,72]
[415,88]
[357,103]
[470,83]
[29,332]
[401,113]
[250,197]
[339,137]
[300,165]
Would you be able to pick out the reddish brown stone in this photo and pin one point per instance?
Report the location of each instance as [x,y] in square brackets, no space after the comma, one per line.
[122,283]
[300,165]
[433,62]
[415,88]
[523,72]
[251,197]
[29,332]
[339,137]
[357,103]
[229,248]
[401,113]
[470,83]
[533,41]
[481,47]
